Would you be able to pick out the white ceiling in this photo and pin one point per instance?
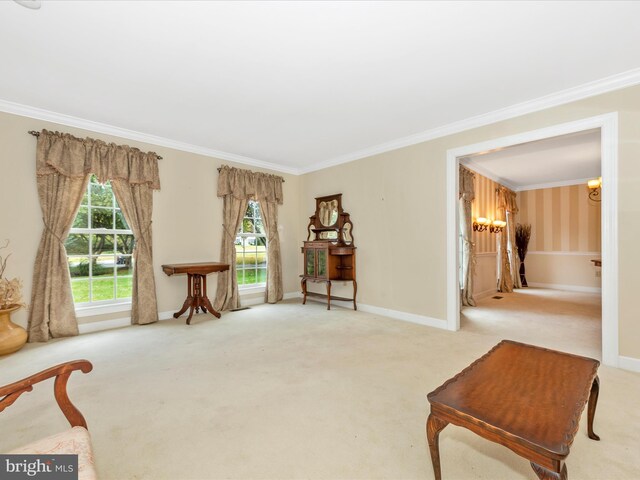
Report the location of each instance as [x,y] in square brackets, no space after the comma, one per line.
[563,160]
[300,85]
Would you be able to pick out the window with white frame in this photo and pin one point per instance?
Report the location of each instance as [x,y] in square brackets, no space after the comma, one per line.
[251,248]
[99,249]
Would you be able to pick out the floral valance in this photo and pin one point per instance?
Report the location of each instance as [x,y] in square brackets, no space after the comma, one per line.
[506,200]
[245,184]
[76,157]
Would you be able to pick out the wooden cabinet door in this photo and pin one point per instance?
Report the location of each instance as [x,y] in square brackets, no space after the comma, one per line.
[322,270]
[310,262]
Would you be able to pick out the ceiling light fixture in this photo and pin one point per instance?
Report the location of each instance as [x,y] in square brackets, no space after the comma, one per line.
[32,4]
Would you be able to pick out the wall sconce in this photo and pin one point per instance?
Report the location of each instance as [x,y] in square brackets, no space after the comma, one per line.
[481,224]
[497,226]
[594,187]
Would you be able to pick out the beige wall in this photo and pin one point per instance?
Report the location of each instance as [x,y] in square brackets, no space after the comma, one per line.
[484,205]
[186,218]
[563,270]
[562,219]
[565,236]
[485,274]
[485,277]
[397,201]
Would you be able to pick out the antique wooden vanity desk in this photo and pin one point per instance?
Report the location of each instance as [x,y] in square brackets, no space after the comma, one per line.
[330,255]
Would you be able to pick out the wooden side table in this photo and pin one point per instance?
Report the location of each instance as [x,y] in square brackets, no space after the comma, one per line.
[196,285]
[527,398]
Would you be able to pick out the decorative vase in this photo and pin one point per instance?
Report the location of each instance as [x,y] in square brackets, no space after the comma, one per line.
[12,336]
[523,279]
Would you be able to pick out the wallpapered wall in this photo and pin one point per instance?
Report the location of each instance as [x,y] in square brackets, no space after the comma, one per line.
[562,219]
[484,205]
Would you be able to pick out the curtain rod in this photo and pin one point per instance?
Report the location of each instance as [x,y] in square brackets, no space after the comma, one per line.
[37,134]
[220,168]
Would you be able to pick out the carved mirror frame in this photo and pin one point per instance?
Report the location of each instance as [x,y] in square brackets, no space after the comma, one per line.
[340,232]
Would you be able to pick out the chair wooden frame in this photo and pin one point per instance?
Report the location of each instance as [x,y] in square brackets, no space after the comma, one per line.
[10,393]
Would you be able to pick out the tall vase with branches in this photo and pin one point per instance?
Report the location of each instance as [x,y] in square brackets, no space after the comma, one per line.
[523,235]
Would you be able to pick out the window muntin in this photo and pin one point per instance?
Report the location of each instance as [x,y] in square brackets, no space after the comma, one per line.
[99,249]
[251,248]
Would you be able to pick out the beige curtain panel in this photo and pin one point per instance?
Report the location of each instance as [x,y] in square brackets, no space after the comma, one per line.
[52,312]
[507,206]
[466,197]
[227,296]
[136,202]
[63,166]
[274,291]
[237,187]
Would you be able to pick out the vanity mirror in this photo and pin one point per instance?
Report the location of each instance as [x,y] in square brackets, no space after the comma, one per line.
[329,253]
[330,222]
[328,212]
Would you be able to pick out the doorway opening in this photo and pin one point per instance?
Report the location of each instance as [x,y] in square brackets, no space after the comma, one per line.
[605,127]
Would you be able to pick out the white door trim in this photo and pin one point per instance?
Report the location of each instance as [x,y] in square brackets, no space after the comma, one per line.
[608,125]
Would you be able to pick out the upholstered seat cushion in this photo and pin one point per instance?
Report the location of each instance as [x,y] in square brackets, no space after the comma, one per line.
[76,440]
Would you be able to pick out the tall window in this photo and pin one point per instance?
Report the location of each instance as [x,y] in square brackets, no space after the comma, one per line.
[251,248]
[99,249]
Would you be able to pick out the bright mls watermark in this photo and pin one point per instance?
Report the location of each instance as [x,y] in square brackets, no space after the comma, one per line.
[38,467]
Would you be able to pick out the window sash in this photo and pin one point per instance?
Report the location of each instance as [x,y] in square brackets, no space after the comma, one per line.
[90,255]
[244,269]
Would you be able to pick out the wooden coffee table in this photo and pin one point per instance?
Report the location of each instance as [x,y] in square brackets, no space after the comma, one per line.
[527,398]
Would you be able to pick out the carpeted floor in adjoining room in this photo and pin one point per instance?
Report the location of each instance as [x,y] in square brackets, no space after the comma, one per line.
[291,392]
[557,319]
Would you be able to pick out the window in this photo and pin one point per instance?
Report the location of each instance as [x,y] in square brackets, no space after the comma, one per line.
[251,248]
[99,249]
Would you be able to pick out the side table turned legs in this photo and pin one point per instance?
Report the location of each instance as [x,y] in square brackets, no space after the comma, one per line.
[196,297]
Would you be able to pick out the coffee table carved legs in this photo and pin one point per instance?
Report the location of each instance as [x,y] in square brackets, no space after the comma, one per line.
[591,409]
[545,474]
[434,427]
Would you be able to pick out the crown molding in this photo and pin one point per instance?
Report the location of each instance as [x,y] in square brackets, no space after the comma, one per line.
[597,87]
[562,183]
[520,188]
[586,90]
[487,173]
[71,121]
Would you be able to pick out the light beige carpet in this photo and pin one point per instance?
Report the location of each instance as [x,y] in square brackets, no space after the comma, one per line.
[293,392]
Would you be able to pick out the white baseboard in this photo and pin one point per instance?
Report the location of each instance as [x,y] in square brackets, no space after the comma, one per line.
[115,323]
[104,325]
[385,312]
[485,294]
[629,363]
[290,295]
[569,288]
[101,325]
[247,302]
[404,316]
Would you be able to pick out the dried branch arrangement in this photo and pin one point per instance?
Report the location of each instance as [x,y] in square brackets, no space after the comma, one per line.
[523,235]
[10,289]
